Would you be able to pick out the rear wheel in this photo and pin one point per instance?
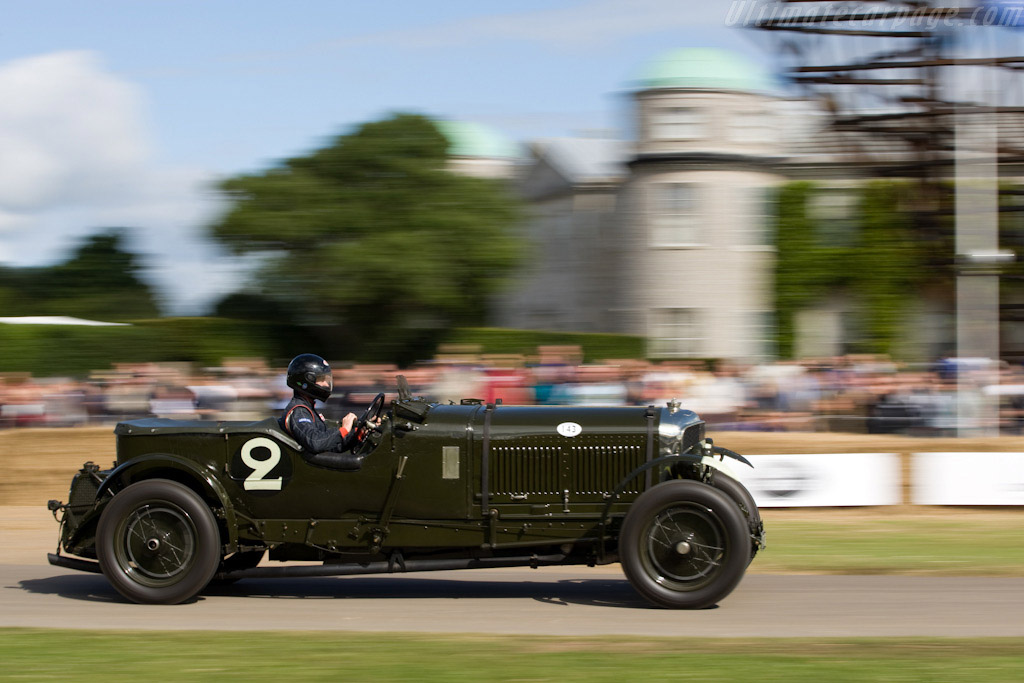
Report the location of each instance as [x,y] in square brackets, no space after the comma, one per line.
[157,542]
[684,545]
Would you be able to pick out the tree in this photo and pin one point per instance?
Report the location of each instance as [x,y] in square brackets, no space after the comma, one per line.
[100,281]
[372,242]
[20,291]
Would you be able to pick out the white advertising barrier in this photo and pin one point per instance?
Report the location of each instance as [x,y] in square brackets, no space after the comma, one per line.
[967,479]
[821,479]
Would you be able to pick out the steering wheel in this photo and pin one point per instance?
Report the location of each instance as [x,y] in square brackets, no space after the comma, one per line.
[371,414]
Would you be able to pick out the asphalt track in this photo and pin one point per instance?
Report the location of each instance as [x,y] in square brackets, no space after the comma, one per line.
[556,601]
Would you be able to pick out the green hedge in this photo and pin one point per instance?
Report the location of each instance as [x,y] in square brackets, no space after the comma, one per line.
[595,346]
[71,350]
[49,350]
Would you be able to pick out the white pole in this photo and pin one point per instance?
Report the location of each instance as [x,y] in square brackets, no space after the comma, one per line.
[977,249]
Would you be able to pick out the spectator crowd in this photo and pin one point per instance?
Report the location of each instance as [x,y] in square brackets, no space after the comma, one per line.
[846,394]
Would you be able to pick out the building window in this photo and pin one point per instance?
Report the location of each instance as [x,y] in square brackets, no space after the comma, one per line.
[676,123]
[675,215]
[751,127]
[675,333]
[757,329]
[752,216]
[835,214]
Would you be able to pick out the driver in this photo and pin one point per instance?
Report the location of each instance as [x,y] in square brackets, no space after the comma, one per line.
[309,376]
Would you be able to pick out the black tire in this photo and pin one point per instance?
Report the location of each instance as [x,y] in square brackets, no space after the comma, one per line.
[157,542]
[741,496]
[684,545]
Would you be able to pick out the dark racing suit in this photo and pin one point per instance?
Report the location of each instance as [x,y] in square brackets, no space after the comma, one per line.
[321,444]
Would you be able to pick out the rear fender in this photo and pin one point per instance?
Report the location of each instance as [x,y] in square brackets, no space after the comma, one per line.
[182,470]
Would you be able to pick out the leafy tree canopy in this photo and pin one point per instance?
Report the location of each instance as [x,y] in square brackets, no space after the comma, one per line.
[100,281]
[373,242]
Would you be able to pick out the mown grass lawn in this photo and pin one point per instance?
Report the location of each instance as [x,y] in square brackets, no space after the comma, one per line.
[34,654]
[931,542]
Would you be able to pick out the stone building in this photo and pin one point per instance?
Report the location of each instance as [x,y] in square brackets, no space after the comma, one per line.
[664,235]
[667,233]
[697,257]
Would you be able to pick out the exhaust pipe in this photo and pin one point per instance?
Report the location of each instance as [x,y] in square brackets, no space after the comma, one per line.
[397,566]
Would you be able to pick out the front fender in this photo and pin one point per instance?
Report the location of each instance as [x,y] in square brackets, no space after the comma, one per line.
[696,459]
[658,462]
[177,468]
[614,496]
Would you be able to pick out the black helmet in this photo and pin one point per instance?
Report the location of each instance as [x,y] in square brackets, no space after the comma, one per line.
[310,374]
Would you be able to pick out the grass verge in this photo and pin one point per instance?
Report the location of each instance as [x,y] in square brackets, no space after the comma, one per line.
[942,542]
[36,654]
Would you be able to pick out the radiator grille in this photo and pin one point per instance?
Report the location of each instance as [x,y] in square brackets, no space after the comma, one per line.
[83,491]
[524,469]
[82,497]
[599,469]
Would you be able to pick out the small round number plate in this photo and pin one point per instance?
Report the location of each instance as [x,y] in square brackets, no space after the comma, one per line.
[569,429]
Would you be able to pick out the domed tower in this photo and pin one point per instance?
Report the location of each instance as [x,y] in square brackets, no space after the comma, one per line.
[478,150]
[697,250]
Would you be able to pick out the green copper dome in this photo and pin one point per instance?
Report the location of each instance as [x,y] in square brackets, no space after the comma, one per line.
[703,68]
[476,140]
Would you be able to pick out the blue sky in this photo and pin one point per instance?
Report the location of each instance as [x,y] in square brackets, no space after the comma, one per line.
[126,113]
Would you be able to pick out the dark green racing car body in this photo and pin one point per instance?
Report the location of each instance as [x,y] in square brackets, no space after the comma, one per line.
[441,486]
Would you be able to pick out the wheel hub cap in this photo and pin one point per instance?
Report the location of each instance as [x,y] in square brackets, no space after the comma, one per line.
[685,546]
[159,544]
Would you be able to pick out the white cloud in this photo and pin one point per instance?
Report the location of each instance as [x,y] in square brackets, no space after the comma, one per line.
[76,156]
[69,132]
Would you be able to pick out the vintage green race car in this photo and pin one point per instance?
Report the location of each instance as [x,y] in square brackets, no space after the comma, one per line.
[436,486]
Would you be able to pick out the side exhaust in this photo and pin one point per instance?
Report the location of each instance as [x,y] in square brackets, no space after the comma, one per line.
[394,567]
[74,563]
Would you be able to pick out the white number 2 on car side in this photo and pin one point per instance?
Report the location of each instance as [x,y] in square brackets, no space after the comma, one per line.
[257,481]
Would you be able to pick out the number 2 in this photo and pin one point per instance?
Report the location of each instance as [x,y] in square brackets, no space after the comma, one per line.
[257,481]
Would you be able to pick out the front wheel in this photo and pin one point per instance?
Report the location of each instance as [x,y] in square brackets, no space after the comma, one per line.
[741,496]
[158,542]
[684,545]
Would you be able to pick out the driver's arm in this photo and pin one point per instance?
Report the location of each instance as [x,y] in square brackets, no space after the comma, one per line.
[316,436]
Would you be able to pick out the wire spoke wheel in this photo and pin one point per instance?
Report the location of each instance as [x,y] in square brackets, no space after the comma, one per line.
[158,542]
[684,544]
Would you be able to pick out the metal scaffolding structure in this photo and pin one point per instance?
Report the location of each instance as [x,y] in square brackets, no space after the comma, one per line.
[926,90]
[899,71]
